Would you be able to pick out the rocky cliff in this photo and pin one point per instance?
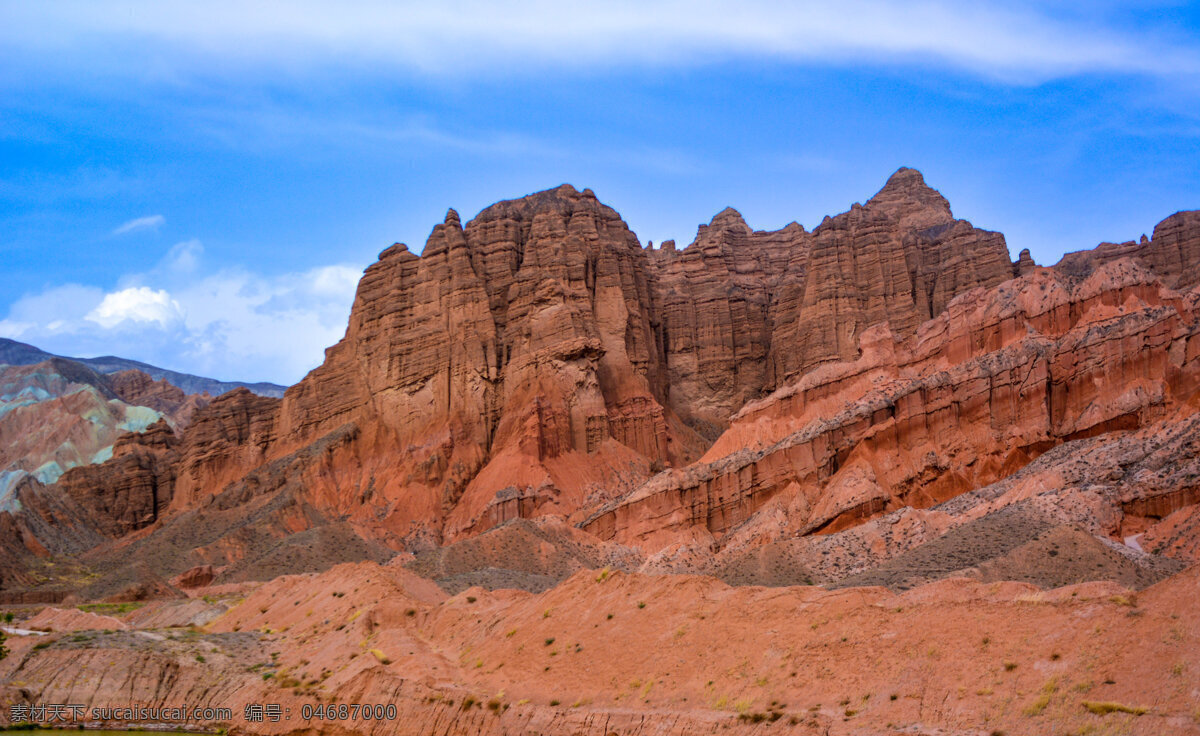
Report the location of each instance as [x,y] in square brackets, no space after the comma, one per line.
[539,362]
[997,379]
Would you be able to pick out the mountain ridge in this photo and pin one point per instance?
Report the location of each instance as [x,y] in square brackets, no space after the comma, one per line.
[13,352]
[538,364]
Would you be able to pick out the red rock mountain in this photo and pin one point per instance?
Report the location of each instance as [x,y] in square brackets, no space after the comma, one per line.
[750,389]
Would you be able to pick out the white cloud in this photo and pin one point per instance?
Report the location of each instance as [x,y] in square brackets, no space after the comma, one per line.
[141,304]
[229,323]
[149,222]
[1015,40]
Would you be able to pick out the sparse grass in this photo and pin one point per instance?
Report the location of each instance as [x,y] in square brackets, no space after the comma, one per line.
[1037,706]
[603,575]
[111,609]
[1177,670]
[200,658]
[383,659]
[554,702]
[511,633]
[546,613]
[549,640]
[1121,600]
[1010,666]
[1103,708]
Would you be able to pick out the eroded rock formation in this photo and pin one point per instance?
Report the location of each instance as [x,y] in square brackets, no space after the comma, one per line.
[752,387]
[975,394]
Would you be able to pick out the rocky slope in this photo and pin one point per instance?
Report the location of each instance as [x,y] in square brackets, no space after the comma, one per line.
[999,378]
[59,420]
[60,414]
[607,652]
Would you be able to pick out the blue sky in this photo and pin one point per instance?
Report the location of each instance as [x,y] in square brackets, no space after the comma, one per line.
[199,185]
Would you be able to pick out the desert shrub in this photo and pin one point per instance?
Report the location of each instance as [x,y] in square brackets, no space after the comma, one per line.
[383,659]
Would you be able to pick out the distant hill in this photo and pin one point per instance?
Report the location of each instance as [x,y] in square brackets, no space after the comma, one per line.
[19,353]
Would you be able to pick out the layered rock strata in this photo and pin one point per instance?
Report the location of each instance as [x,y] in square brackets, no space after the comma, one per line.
[538,362]
[1000,377]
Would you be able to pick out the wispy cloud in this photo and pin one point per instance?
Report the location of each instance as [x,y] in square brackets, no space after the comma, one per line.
[1016,41]
[150,222]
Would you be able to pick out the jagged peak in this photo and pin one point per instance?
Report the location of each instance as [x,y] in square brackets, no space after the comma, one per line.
[907,197]
[452,217]
[394,249]
[563,198]
[727,217]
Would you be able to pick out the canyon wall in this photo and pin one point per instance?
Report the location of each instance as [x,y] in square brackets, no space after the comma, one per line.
[538,361]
